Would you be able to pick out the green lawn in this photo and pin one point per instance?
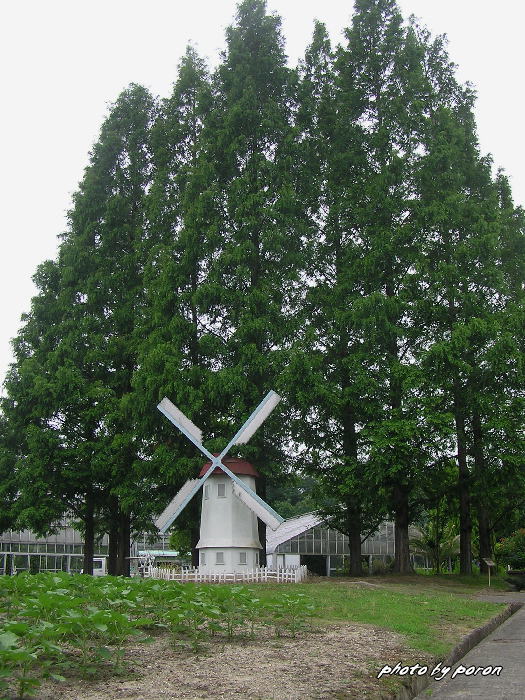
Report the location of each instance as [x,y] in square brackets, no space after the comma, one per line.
[454,583]
[431,613]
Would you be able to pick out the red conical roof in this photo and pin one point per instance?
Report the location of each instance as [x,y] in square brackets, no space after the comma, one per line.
[234,464]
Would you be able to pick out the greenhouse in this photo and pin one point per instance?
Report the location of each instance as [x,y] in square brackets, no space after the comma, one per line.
[306,540]
[23,550]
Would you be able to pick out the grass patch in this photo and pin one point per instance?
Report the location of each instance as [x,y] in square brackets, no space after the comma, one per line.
[431,617]
[444,583]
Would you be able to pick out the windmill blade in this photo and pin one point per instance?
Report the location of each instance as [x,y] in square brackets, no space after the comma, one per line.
[183,423]
[177,505]
[258,417]
[261,509]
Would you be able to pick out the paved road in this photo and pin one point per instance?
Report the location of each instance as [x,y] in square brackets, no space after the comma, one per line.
[505,648]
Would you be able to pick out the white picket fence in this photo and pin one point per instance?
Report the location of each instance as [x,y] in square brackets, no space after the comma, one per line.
[259,575]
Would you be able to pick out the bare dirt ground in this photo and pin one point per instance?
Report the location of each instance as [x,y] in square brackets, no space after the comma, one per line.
[336,662]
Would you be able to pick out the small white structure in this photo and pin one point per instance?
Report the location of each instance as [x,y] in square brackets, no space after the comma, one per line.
[229,540]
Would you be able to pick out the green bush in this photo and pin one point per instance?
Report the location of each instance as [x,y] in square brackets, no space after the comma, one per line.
[54,624]
[511,550]
[288,613]
[516,581]
[382,567]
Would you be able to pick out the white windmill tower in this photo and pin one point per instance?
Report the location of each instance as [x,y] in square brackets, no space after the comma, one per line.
[229,539]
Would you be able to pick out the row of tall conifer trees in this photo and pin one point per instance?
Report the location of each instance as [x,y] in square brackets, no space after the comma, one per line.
[330,231]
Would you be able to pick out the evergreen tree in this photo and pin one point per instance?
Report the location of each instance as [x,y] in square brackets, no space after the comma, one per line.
[256,235]
[459,283]
[70,387]
[178,350]
[107,224]
[497,382]
[381,74]
[54,411]
[328,375]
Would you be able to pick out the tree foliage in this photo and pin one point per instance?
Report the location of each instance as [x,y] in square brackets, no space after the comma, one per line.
[332,232]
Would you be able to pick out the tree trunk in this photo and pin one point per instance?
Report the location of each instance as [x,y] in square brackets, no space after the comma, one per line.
[485,547]
[195,536]
[262,539]
[353,508]
[124,544]
[437,538]
[465,522]
[113,550]
[89,533]
[402,563]
[400,492]
[113,537]
[354,538]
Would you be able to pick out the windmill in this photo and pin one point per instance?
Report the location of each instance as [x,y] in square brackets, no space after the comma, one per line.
[229,539]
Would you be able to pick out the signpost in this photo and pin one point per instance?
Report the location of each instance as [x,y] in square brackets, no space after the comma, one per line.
[490,564]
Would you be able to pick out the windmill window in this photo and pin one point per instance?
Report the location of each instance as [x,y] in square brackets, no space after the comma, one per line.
[242,558]
[221,490]
[206,491]
[203,558]
[219,557]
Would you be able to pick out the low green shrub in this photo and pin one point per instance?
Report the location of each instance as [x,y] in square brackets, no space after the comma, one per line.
[55,624]
[382,567]
[288,613]
[511,550]
[516,581]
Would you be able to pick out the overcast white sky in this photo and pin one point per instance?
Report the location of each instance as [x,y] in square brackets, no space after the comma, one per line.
[64,61]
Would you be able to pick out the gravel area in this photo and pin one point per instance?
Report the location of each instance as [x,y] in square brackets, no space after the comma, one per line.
[337,662]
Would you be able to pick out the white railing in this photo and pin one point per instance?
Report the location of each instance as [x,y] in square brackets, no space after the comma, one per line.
[202,575]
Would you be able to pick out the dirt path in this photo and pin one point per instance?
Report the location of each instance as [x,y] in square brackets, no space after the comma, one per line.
[338,662]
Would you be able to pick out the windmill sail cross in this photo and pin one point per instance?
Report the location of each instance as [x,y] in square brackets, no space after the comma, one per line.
[241,490]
